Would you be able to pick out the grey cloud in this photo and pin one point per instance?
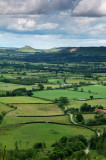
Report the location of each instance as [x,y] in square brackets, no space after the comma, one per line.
[10,7]
[94,8]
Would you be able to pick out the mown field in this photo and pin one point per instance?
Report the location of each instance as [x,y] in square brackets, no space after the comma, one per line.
[37,110]
[97,91]
[22,99]
[27,135]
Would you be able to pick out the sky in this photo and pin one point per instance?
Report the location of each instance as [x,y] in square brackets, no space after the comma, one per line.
[47,24]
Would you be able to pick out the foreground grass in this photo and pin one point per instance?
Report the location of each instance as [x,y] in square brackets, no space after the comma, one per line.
[22,99]
[27,135]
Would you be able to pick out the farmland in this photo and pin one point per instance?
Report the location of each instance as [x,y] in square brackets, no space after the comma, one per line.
[30,107]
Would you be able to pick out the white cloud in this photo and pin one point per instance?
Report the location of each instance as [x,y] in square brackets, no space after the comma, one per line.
[47,26]
[22,24]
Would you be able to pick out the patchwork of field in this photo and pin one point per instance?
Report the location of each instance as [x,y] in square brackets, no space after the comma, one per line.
[97,91]
[22,99]
[93,102]
[48,133]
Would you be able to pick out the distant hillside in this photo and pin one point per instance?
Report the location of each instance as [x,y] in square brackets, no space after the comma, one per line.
[56,55]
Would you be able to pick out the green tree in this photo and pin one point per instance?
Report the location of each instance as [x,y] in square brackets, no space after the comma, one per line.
[40,87]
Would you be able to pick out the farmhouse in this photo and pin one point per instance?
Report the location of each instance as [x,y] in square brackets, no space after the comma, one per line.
[100,110]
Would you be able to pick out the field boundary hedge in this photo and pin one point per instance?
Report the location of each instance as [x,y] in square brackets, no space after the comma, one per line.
[44,116]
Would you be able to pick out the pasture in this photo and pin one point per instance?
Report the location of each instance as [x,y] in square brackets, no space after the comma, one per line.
[47,133]
[22,99]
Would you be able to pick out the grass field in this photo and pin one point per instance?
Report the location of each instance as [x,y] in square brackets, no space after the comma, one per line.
[4,107]
[93,102]
[12,119]
[22,99]
[88,116]
[37,110]
[97,91]
[48,133]
[77,79]
[56,81]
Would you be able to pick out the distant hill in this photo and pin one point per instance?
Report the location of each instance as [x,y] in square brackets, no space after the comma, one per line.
[26,49]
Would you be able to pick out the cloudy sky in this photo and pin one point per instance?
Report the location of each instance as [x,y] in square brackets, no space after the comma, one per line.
[52,23]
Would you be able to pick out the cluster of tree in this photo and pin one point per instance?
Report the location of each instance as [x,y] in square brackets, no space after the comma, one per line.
[88,108]
[99,143]
[19,92]
[24,81]
[71,147]
[2,114]
[66,148]
[62,102]
[99,119]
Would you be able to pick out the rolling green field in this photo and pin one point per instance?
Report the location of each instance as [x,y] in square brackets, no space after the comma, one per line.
[97,91]
[93,102]
[22,99]
[48,133]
